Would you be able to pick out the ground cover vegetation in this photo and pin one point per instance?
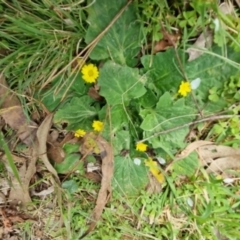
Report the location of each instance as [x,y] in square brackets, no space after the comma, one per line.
[119,119]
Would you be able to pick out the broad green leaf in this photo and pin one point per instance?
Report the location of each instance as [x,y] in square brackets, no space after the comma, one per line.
[52,96]
[71,148]
[163,70]
[69,163]
[71,186]
[122,41]
[129,178]
[117,117]
[166,115]
[78,113]
[120,84]
[149,99]
[213,69]
[121,141]
[187,166]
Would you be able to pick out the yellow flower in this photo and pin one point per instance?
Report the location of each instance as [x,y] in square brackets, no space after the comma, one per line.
[97,126]
[184,88]
[89,73]
[142,147]
[79,133]
[154,169]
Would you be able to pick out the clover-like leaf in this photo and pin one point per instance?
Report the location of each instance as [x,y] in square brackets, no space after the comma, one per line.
[122,41]
[120,84]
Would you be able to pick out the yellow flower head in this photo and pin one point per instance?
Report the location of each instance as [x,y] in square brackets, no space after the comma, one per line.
[154,169]
[97,126]
[79,133]
[142,147]
[89,73]
[184,88]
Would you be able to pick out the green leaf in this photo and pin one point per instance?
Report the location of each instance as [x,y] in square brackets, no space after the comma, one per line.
[187,166]
[52,97]
[71,186]
[78,113]
[71,148]
[121,141]
[167,115]
[122,41]
[120,84]
[149,99]
[129,178]
[163,70]
[69,163]
[213,70]
[117,117]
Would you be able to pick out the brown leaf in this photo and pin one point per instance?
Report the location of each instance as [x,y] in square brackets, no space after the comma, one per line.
[54,148]
[168,40]
[215,158]
[93,93]
[12,113]
[55,153]
[42,134]
[203,41]
[7,224]
[238,3]
[192,147]
[107,156]
[226,8]
[220,157]
[153,186]
[19,193]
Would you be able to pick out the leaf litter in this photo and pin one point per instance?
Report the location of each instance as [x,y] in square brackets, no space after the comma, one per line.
[13,114]
[98,145]
[215,158]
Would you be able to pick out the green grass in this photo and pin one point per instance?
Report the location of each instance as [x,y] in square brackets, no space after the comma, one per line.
[140,91]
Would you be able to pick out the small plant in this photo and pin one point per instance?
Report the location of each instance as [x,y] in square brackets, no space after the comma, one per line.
[95,65]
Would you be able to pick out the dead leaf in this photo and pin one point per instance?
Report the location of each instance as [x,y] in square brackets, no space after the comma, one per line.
[12,112]
[44,192]
[2,198]
[167,41]
[55,153]
[203,41]
[55,149]
[93,92]
[222,164]
[19,193]
[192,147]
[7,224]
[226,8]
[220,157]
[215,158]
[238,3]
[153,186]
[93,176]
[42,134]
[107,156]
